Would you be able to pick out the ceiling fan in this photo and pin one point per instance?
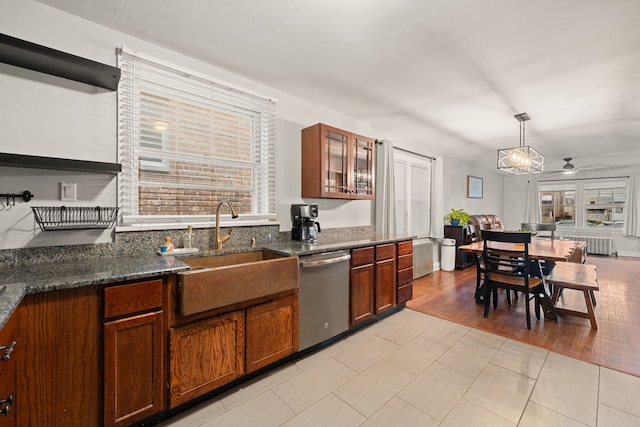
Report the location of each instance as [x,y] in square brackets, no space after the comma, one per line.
[570,168]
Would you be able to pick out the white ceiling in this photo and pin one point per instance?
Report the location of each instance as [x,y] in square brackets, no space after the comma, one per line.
[445,73]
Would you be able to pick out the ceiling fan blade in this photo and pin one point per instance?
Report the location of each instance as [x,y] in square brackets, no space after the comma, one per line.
[594,166]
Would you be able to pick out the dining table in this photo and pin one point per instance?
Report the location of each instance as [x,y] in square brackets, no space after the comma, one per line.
[541,249]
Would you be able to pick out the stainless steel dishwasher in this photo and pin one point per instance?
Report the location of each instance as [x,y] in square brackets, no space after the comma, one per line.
[323,297]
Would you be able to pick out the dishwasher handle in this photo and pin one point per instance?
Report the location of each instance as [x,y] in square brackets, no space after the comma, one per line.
[326,261]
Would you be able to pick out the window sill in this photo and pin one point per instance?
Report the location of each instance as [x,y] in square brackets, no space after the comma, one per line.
[183,225]
[600,230]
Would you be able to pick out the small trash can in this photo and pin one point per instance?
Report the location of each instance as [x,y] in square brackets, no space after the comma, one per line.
[448,255]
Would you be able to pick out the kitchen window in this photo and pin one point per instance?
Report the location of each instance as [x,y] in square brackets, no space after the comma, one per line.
[187,141]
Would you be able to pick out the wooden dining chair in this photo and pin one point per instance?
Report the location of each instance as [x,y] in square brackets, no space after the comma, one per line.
[508,267]
[475,236]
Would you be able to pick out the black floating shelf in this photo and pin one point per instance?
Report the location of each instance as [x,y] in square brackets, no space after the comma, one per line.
[38,162]
[35,57]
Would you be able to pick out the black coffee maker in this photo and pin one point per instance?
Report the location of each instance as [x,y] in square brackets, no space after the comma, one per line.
[304,226]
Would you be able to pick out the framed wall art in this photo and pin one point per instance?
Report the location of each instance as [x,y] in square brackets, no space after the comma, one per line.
[474,187]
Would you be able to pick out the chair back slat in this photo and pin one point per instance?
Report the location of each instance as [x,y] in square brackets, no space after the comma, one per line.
[506,258]
[511,261]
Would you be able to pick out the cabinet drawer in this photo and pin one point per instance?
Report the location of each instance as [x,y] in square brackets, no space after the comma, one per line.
[405,248]
[405,261]
[405,293]
[362,256]
[405,276]
[132,298]
[385,251]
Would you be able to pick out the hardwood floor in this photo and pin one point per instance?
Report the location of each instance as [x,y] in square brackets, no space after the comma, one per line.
[615,344]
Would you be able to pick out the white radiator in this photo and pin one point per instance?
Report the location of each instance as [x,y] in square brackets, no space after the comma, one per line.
[422,257]
[596,245]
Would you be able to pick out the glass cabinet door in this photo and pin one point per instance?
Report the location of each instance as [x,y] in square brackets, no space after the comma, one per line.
[363,149]
[336,164]
[336,172]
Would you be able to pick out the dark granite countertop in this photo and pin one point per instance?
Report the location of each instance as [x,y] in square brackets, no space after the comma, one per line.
[335,243]
[24,279]
[20,280]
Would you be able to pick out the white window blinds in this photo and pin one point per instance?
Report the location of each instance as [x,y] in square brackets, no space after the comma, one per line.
[187,141]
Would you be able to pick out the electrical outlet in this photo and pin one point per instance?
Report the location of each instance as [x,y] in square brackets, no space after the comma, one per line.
[68,191]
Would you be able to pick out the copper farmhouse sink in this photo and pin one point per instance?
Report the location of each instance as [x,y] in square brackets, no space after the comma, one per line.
[222,280]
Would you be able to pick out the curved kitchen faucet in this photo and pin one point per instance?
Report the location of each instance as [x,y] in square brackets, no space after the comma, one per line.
[220,240]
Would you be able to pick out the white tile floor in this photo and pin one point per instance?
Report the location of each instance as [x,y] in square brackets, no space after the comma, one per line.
[412,369]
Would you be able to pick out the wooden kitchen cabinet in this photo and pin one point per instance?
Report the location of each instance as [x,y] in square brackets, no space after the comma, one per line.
[205,355]
[405,271]
[9,353]
[361,285]
[271,332]
[8,397]
[133,352]
[337,164]
[372,285]
[59,372]
[385,277]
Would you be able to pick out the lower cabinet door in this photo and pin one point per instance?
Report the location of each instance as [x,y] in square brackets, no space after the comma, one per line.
[133,368]
[272,332]
[8,395]
[361,293]
[385,285]
[205,355]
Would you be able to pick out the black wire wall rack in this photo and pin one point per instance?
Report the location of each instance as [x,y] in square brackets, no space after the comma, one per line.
[52,218]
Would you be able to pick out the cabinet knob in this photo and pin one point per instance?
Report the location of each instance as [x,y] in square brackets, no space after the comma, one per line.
[7,405]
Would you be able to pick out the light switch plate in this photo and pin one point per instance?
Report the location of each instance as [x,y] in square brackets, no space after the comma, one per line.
[68,191]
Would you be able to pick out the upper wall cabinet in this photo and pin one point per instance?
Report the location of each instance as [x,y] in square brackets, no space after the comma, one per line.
[337,164]
[35,57]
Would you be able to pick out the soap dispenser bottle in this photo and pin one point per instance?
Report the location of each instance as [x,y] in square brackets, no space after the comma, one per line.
[167,246]
[188,238]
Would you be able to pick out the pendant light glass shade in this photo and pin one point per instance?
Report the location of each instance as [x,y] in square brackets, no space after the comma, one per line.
[523,159]
[520,160]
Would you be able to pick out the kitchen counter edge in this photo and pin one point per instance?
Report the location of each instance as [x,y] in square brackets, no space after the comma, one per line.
[20,280]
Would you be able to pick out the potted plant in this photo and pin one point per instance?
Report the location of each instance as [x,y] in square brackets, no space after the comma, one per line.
[458,217]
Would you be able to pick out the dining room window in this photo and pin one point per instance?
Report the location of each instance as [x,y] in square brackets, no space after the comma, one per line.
[590,204]
[187,141]
[604,204]
[412,178]
[558,204]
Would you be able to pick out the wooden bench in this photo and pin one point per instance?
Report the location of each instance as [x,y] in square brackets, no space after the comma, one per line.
[581,277]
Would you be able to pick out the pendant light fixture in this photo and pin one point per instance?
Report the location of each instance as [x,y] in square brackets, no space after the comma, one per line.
[523,159]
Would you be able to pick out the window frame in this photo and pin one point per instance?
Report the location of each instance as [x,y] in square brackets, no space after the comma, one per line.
[261,168]
[404,199]
[582,204]
[556,188]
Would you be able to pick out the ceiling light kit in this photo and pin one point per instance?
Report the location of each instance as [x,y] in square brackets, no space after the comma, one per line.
[522,159]
[568,168]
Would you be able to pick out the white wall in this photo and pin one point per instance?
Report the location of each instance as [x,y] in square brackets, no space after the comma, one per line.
[49,116]
[455,188]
